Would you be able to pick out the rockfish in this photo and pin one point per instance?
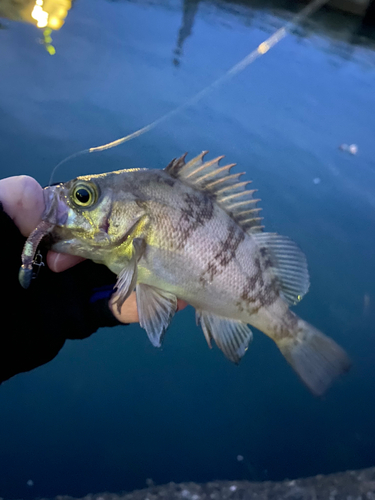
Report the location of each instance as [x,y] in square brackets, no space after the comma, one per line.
[191,231]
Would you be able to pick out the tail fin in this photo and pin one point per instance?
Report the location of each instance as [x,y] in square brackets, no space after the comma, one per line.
[316,358]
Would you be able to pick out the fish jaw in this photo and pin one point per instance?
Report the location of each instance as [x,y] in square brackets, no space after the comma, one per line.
[56,210]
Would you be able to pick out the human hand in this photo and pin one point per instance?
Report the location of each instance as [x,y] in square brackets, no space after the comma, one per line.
[22,199]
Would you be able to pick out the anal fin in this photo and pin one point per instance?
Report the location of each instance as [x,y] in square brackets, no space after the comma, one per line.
[156,308]
[232,337]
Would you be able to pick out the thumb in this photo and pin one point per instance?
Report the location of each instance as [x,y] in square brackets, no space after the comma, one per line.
[22,200]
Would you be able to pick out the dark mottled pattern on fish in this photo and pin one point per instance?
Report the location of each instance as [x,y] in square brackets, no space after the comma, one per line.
[285,325]
[258,292]
[267,261]
[225,253]
[165,179]
[197,210]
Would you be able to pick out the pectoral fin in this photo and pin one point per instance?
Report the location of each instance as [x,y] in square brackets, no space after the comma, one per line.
[127,278]
[155,310]
[232,337]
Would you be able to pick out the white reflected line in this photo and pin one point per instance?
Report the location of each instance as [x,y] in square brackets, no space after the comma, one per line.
[263,48]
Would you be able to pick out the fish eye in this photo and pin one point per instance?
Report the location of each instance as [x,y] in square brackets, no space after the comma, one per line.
[84,195]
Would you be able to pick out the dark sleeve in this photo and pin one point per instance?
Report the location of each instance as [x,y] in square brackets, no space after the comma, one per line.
[57,306]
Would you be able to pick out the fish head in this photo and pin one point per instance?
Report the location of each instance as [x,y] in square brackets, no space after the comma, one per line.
[93,215]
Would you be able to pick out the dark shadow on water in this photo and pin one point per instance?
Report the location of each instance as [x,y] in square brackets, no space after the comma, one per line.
[190,8]
[337,26]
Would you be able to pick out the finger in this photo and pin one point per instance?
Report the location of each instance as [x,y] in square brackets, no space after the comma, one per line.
[58,262]
[129,312]
[181,304]
[22,200]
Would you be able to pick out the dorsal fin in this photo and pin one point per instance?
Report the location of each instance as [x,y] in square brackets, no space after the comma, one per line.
[229,193]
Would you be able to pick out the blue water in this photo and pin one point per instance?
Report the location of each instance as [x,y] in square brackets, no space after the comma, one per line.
[111,411]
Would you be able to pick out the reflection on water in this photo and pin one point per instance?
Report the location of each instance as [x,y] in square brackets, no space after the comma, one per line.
[48,15]
[337,26]
[189,9]
[41,13]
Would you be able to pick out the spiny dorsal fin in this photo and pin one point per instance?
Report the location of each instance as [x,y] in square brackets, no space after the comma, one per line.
[230,194]
[287,262]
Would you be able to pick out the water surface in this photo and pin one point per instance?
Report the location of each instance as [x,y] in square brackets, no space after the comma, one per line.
[111,411]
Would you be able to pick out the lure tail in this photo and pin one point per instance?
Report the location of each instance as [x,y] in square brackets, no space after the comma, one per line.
[29,250]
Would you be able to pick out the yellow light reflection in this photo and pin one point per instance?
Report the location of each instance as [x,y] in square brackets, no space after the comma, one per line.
[40,16]
[48,41]
[51,49]
[48,13]
[55,23]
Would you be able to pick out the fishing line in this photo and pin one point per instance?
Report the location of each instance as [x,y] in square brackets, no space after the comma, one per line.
[262,49]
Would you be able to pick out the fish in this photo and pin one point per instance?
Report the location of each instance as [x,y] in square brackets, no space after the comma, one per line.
[191,230]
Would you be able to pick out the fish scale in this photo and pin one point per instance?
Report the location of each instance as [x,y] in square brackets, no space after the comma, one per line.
[192,231]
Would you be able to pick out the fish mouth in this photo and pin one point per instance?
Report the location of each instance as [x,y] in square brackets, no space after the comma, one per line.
[55,213]
[56,210]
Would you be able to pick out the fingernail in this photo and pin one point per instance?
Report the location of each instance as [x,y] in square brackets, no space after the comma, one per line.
[53,259]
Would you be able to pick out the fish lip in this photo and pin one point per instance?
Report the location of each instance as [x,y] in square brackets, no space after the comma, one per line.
[56,209]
